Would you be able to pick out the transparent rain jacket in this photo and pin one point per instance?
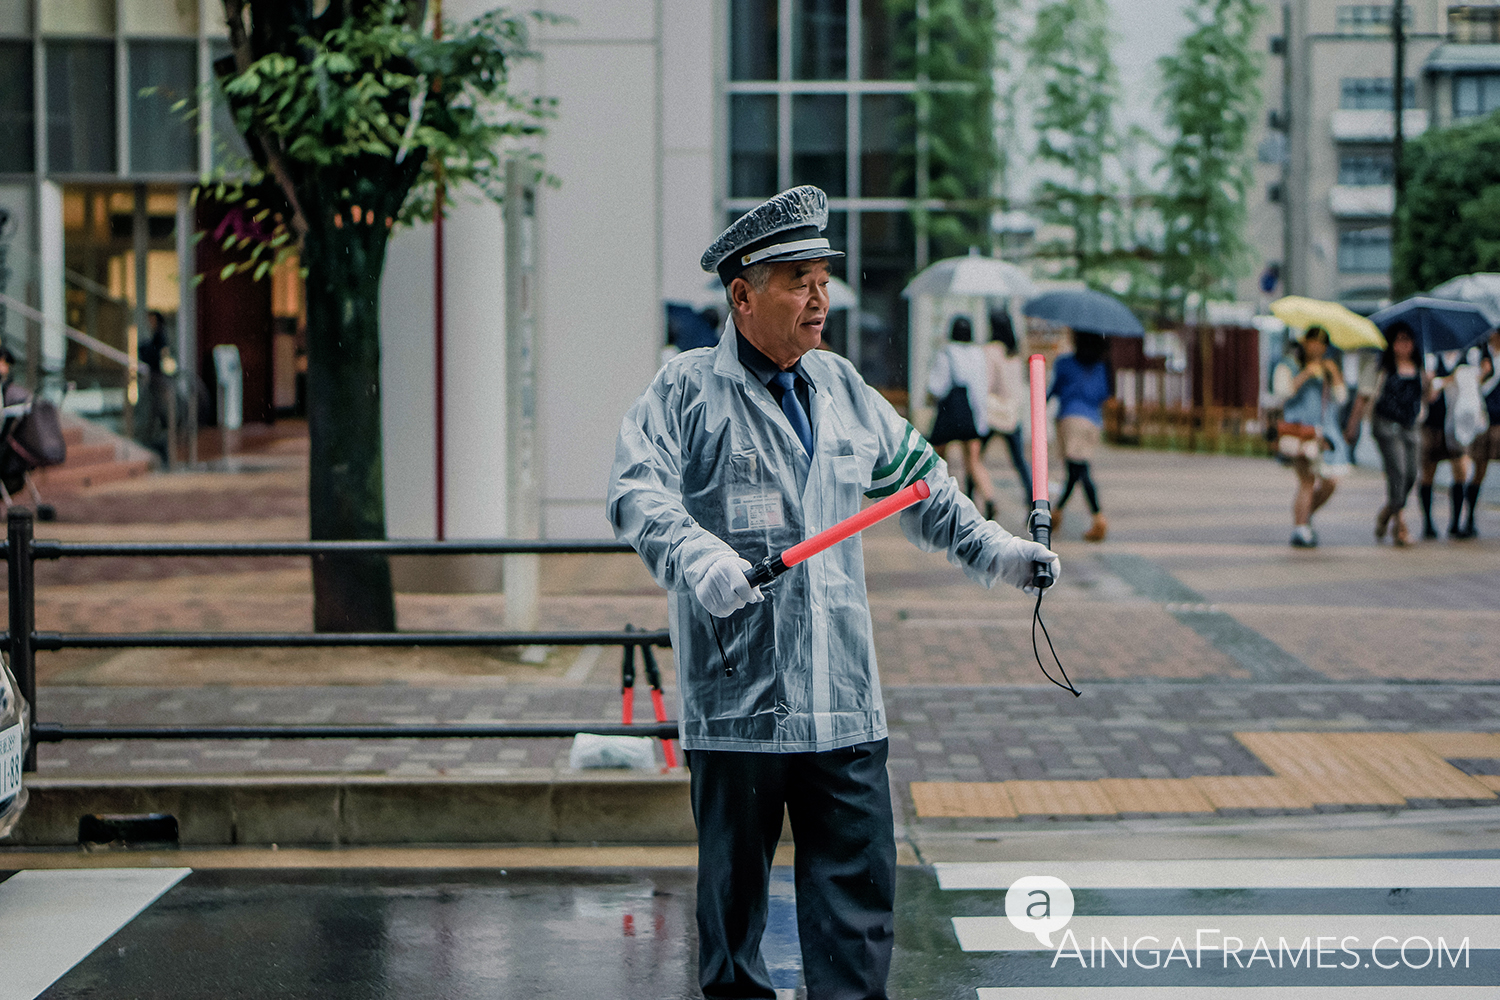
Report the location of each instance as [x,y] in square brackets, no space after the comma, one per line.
[707,464]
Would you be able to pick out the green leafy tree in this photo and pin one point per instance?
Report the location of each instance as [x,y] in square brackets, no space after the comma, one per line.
[356,116]
[1448,222]
[955,58]
[1069,65]
[1211,96]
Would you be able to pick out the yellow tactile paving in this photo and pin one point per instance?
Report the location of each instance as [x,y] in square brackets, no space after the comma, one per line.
[1453,746]
[1330,776]
[1155,795]
[962,799]
[1228,791]
[1408,766]
[1059,798]
[1489,780]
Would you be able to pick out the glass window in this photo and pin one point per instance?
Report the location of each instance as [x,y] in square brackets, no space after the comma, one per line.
[1365,251]
[887,156]
[887,262]
[752,40]
[17,110]
[820,39]
[1474,25]
[886,41]
[229,148]
[162,140]
[1369,18]
[1373,93]
[752,145]
[1475,94]
[1362,169]
[81,107]
[820,142]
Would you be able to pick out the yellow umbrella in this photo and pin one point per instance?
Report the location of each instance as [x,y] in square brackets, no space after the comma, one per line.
[1347,330]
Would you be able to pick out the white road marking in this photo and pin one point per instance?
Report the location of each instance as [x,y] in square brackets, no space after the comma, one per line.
[1273,873]
[1235,992]
[52,920]
[1480,930]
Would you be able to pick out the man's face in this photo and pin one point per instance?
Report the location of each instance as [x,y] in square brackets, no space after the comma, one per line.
[786,320]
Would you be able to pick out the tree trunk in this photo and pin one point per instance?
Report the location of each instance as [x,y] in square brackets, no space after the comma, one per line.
[346,495]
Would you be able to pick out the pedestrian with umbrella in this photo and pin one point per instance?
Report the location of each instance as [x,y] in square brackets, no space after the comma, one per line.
[1081,382]
[1445,329]
[1396,385]
[1487,445]
[1310,387]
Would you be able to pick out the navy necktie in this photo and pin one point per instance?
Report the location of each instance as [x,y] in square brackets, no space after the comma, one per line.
[792,407]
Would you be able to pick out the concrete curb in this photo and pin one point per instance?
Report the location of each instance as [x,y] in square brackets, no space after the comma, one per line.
[341,810]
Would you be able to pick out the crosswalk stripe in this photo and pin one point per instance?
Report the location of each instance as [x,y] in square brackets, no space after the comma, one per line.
[1235,873]
[1479,931]
[1235,992]
[52,920]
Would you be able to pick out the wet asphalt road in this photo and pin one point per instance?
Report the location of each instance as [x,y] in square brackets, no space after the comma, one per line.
[415,934]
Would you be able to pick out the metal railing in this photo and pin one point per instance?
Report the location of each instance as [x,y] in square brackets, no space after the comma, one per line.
[22,641]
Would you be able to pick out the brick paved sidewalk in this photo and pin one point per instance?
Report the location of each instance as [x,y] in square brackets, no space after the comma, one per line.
[1192,623]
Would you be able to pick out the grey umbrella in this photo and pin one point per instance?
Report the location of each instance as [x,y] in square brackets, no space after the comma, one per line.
[1090,311]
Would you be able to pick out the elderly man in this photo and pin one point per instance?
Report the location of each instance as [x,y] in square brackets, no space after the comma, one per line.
[734,453]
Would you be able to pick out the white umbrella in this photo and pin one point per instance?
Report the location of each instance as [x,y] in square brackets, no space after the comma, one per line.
[972,275]
[840,295]
[1481,289]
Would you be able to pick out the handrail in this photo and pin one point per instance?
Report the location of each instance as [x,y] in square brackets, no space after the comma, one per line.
[20,550]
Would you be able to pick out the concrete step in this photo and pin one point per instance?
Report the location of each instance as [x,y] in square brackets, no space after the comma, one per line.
[542,807]
[64,479]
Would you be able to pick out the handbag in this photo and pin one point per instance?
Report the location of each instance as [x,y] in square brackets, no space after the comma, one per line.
[955,418]
[1302,432]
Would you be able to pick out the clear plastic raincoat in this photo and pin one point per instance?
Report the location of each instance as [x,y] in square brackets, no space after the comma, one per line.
[707,465]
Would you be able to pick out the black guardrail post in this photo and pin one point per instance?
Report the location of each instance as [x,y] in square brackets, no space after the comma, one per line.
[22,594]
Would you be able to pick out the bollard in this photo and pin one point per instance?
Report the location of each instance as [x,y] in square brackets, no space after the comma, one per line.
[22,594]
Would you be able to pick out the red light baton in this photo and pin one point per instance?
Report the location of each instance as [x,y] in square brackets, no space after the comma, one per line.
[773,566]
[1040,522]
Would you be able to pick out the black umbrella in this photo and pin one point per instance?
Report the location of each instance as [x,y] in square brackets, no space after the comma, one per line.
[1089,311]
[1440,324]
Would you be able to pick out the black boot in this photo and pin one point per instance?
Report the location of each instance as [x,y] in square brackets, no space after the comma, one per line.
[989,510]
[1471,500]
[1424,493]
[1456,506]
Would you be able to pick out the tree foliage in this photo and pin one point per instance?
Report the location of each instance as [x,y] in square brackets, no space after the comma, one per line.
[1070,66]
[356,113]
[1448,222]
[948,47]
[1210,96]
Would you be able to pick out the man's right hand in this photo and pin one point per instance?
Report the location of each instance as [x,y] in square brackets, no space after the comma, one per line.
[724,588]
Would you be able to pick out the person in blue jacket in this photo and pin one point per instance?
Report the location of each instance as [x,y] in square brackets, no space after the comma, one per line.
[1080,384]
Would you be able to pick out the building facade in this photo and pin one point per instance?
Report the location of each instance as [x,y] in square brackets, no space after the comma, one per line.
[1325,189]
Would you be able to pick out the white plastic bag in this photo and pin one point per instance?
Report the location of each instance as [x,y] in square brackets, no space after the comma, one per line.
[591,750]
[15,728]
[1467,418]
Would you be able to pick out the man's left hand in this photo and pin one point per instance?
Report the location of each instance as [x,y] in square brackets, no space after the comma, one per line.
[1016,563]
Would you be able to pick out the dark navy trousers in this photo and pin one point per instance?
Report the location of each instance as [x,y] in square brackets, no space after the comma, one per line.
[839,804]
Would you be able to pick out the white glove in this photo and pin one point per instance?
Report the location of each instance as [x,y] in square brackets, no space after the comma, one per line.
[724,589]
[1016,561]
